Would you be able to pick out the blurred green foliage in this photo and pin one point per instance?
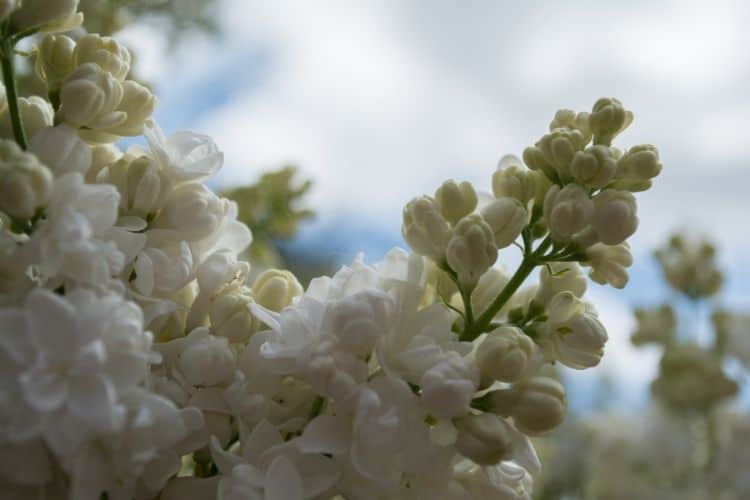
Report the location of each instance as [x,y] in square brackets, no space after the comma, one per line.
[271,208]
[178,16]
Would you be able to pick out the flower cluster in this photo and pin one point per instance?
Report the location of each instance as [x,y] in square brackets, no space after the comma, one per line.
[692,376]
[691,442]
[141,360]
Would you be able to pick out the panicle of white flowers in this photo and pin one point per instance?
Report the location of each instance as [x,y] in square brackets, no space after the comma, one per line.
[692,376]
[689,266]
[141,360]
[691,441]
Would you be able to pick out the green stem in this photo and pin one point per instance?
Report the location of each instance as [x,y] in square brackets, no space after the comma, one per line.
[9,79]
[529,262]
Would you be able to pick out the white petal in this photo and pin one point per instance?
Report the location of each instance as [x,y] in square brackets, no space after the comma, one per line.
[44,391]
[263,437]
[325,434]
[180,488]
[13,337]
[93,400]
[282,481]
[52,323]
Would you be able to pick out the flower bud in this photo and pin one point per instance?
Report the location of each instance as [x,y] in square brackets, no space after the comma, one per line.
[54,59]
[138,103]
[690,267]
[572,334]
[615,216]
[102,155]
[142,186]
[594,167]
[539,406]
[566,118]
[90,98]
[206,360]
[163,270]
[448,387]
[61,150]
[506,217]
[609,263]
[471,250]
[106,52]
[275,289]
[513,180]
[358,321]
[691,378]
[455,200]
[25,184]
[36,114]
[485,439]
[425,229]
[534,158]
[46,15]
[488,287]
[568,211]
[564,276]
[230,315]
[654,325]
[637,167]
[559,147]
[192,212]
[607,119]
[503,355]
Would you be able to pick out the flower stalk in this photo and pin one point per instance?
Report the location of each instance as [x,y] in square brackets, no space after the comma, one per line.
[484,321]
[9,79]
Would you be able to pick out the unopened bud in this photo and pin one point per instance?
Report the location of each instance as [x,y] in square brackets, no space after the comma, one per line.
[455,200]
[607,119]
[615,216]
[109,54]
[559,147]
[568,211]
[637,167]
[275,289]
[138,103]
[540,405]
[425,229]
[471,250]
[567,118]
[512,179]
[46,15]
[507,217]
[488,287]
[230,315]
[36,114]
[25,184]
[90,98]
[54,59]
[559,277]
[594,167]
[503,355]
[485,439]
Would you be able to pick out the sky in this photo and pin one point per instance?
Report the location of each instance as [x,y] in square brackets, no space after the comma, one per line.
[380,101]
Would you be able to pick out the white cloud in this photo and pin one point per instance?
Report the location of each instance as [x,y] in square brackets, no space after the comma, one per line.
[380,101]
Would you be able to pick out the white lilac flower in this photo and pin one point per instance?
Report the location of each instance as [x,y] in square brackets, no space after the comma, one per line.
[72,243]
[184,156]
[72,357]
